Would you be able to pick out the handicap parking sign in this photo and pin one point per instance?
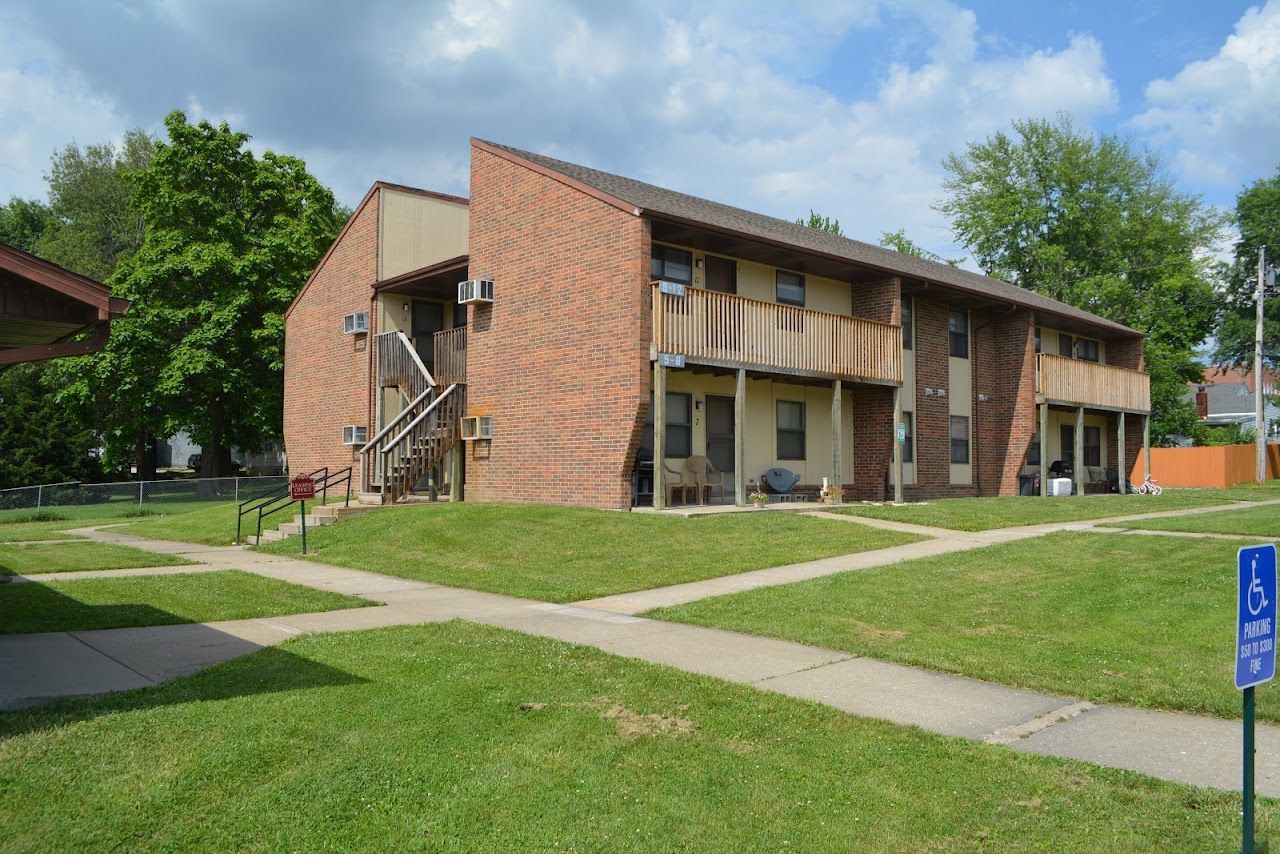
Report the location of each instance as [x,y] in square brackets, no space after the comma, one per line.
[1256,616]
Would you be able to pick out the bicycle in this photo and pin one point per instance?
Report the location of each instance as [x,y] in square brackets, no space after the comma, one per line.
[1149,487]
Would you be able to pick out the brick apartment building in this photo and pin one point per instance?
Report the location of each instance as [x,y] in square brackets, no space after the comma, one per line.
[628,321]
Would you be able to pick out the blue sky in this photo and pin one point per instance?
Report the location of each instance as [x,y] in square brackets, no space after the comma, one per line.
[847,108]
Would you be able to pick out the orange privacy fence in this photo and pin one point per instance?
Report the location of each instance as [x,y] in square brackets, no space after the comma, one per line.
[1227,465]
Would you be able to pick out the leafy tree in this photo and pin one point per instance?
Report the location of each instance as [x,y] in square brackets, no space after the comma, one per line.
[42,441]
[24,222]
[1257,216]
[899,242]
[821,223]
[1096,223]
[230,238]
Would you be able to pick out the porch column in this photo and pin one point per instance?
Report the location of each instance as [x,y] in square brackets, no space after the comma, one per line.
[659,436]
[1146,445]
[897,449]
[1044,450]
[1121,474]
[455,472]
[1078,466]
[837,430]
[740,440]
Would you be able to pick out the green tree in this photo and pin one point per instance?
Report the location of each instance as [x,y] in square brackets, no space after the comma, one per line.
[1096,223]
[42,442]
[1257,218]
[819,222]
[24,222]
[230,239]
[899,242]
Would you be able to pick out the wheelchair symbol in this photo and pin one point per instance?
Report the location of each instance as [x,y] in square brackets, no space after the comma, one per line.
[1255,590]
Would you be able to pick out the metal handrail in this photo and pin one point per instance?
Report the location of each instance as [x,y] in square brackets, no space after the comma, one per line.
[325,480]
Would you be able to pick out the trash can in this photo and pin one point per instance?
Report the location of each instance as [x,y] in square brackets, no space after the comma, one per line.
[1028,484]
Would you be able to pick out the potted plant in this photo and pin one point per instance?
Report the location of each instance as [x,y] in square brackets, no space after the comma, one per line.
[757,496]
[830,493]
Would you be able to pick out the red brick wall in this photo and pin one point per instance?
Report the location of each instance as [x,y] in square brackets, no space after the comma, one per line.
[873,428]
[1125,353]
[326,373]
[1005,350]
[561,358]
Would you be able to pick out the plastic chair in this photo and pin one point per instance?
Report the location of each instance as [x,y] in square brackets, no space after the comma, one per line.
[706,477]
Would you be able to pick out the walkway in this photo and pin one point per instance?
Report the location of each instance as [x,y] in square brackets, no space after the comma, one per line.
[1180,747]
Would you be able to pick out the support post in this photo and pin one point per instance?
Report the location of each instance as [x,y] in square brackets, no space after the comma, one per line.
[455,472]
[837,436]
[1146,446]
[303,519]
[739,439]
[1259,408]
[1044,450]
[1122,474]
[897,448]
[1077,467]
[659,436]
[1246,836]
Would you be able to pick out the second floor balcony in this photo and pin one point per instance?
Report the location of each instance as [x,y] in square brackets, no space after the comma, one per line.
[723,330]
[1075,382]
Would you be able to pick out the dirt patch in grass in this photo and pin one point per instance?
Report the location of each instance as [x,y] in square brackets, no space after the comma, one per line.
[632,724]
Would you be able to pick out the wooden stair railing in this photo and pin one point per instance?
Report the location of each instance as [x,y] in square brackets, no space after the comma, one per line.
[399,365]
[421,444]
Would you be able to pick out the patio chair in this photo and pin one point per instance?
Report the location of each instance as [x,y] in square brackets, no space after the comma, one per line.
[679,482]
[706,477]
[781,481]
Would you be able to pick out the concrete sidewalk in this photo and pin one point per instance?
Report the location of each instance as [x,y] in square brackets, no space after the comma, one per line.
[1184,748]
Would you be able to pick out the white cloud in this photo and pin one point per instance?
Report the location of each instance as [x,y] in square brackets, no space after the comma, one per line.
[1222,114]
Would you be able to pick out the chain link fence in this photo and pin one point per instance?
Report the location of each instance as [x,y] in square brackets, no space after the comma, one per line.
[134,498]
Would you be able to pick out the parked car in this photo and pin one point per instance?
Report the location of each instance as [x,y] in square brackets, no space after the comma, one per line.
[193,463]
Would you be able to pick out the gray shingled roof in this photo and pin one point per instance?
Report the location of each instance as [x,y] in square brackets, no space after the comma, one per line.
[659,202]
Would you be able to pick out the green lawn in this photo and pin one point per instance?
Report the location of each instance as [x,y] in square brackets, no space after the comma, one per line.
[984,514]
[458,737]
[213,525]
[1251,521]
[564,554]
[108,603]
[72,557]
[1144,621]
[47,528]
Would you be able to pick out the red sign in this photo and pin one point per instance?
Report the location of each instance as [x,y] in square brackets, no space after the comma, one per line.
[302,487]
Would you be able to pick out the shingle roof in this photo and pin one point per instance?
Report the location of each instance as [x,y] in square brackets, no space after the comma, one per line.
[660,202]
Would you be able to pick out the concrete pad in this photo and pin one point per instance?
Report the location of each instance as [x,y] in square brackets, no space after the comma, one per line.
[713,652]
[883,524]
[570,624]
[1192,749]
[37,668]
[950,705]
[163,652]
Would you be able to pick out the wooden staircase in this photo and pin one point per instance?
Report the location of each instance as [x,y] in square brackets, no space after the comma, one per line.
[421,436]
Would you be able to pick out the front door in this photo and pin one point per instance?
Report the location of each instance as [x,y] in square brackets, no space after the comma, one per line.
[1067,435]
[720,432]
[428,319]
[722,275]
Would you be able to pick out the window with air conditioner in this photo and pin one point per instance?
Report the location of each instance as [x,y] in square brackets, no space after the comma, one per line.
[355,434]
[475,292]
[477,428]
[353,324]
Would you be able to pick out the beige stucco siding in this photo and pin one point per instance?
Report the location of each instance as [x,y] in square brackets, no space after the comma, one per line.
[757,281]
[417,231]
[1050,342]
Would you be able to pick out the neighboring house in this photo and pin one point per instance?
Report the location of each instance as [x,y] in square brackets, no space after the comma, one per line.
[768,344]
[177,450]
[44,309]
[1226,397]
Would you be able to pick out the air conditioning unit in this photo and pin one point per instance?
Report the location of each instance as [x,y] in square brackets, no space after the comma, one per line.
[477,427]
[475,291]
[355,323]
[355,434]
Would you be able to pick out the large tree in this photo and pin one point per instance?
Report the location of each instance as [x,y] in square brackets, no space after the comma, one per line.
[24,223]
[230,238]
[1257,218]
[42,441]
[1095,222]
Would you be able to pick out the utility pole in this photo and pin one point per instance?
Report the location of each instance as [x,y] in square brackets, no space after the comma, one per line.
[1259,413]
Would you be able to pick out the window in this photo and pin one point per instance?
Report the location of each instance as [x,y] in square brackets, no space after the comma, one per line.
[1066,345]
[959,439]
[1087,349]
[790,430]
[789,288]
[1093,446]
[460,314]
[679,424]
[908,324]
[909,446]
[958,327]
[1033,450]
[1037,339]
[670,264]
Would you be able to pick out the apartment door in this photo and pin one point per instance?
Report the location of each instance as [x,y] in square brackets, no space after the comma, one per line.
[428,319]
[724,324]
[1067,452]
[720,432]
[722,275]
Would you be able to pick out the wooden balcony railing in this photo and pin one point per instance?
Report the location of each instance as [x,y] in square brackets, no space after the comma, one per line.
[451,356]
[1073,381]
[712,328]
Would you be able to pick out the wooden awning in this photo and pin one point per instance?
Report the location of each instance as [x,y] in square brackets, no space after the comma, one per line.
[44,309]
